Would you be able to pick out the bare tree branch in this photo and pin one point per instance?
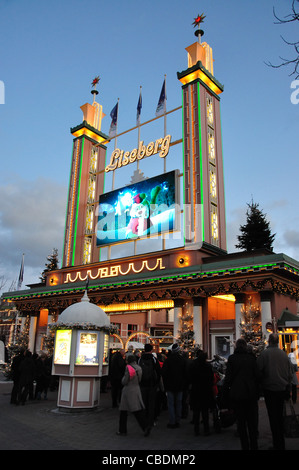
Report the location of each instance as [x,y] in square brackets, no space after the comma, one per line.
[294,16]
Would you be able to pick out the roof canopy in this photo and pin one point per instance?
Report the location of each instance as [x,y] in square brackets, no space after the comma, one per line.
[83,315]
[285,317]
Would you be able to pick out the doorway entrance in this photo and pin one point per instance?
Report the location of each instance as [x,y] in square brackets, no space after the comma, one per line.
[222,344]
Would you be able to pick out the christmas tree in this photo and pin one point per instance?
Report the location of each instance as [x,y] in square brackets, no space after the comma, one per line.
[21,344]
[251,328]
[256,233]
[185,336]
[52,264]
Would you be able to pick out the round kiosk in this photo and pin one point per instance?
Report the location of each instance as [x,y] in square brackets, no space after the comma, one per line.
[81,354]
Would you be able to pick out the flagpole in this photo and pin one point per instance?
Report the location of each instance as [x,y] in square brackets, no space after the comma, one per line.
[21,275]
[113,172]
[115,145]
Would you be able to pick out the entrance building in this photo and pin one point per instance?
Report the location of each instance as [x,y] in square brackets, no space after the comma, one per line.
[145,228]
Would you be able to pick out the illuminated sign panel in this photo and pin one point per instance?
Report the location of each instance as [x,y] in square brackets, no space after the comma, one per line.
[121,158]
[87,348]
[114,270]
[143,209]
[62,349]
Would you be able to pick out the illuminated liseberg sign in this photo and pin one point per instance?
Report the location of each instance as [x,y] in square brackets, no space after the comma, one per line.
[121,158]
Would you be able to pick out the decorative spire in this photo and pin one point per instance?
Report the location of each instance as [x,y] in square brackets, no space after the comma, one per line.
[85,297]
[197,22]
[94,86]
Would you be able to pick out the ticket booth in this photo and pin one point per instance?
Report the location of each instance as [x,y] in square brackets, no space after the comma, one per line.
[81,354]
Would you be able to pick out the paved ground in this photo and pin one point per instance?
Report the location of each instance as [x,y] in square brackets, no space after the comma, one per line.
[39,425]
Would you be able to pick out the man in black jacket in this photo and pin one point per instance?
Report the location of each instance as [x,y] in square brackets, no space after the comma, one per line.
[151,373]
[241,387]
[276,376]
[174,379]
[201,378]
[116,373]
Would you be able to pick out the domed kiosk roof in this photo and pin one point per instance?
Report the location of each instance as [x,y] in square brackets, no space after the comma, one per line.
[83,314]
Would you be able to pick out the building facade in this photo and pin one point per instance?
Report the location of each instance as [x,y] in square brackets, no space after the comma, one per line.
[153,249]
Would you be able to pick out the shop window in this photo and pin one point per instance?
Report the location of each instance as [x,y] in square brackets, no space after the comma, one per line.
[117,326]
[131,329]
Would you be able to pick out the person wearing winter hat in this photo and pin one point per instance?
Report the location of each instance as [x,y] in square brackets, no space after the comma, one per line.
[175,348]
[174,372]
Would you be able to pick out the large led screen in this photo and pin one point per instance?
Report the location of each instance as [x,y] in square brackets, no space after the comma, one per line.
[143,209]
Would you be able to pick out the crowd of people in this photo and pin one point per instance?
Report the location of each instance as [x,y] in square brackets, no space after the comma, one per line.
[31,375]
[144,383]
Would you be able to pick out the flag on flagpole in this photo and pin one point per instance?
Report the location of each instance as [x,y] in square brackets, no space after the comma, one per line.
[113,126]
[21,275]
[139,106]
[161,108]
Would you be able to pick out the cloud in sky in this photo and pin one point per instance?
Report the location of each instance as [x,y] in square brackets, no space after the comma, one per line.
[292,238]
[32,218]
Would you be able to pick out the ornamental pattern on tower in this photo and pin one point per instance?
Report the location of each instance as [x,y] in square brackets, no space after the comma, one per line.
[89,219]
[212,173]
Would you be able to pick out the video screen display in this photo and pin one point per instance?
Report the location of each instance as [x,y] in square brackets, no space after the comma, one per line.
[143,209]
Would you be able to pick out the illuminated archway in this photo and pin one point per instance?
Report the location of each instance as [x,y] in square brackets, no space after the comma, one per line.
[137,333]
[119,339]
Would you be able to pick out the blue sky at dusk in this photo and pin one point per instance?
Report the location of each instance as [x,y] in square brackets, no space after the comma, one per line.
[51,51]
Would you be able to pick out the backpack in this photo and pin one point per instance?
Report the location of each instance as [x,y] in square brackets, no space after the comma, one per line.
[149,373]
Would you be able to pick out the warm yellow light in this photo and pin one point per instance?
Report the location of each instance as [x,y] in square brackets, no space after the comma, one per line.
[138,306]
[182,261]
[54,280]
[203,77]
[89,133]
[229,297]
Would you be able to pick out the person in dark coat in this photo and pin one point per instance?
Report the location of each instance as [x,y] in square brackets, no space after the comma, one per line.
[27,374]
[276,377]
[15,369]
[241,385]
[174,380]
[43,375]
[116,373]
[201,378]
[151,373]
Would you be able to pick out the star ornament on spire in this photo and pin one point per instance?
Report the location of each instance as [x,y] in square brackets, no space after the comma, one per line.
[95,81]
[198,20]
